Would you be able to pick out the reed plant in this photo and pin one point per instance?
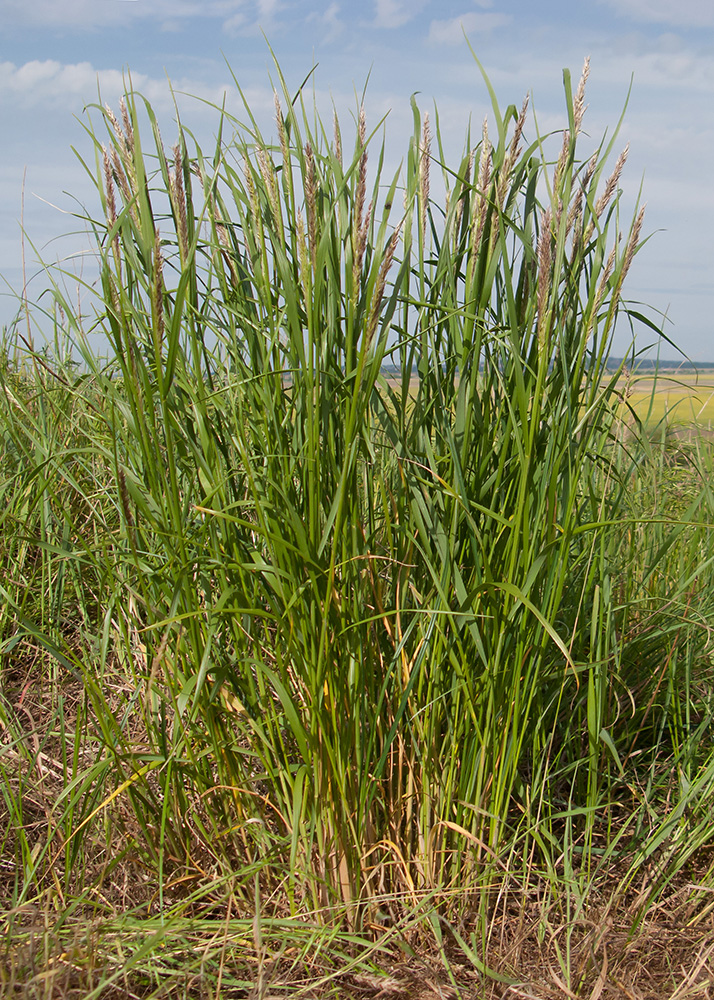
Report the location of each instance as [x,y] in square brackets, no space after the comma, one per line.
[336,568]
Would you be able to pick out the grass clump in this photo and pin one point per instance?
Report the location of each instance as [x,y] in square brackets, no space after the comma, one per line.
[337,623]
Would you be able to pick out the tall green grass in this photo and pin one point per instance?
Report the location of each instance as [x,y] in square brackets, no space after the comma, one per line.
[350,639]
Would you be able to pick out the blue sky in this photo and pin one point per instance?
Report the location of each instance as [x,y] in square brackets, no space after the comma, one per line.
[54,53]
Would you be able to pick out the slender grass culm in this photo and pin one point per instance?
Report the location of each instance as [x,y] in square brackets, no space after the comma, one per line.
[350,614]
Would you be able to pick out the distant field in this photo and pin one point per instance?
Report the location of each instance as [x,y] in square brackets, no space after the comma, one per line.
[683,397]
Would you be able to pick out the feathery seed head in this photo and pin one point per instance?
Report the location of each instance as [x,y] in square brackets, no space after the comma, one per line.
[602,285]
[462,195]
[424,174]
[632,244]
[360,225]
[109,184]
[178,196]
[118,131]
[611,184]
[361,191]
[587,178]
[125,141]
[562,161]
[124,187]
[311,201]
[545,240]
[512,155]
[128,127]
[158,289]
[480,197]
[267,172]
[111,206]
[361,247]
[584,184]
[602,288]
[337,137]
[484,169]
[250,186]
[381,284]
[303,260]
[579,105]
[280,122]
[227,251]
[515,147]
[589,171]
[124,497]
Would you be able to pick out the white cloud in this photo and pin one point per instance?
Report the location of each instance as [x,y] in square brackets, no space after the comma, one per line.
[261,18]
[50,86]
[234,25]
[395,13]
[451,32]
[49,82]
[267,9]
[660,68]
[91,14]
[329,22]
[39,102]
[683,14]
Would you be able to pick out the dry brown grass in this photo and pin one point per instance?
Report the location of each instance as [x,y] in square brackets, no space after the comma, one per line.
[608,946]
[667,957]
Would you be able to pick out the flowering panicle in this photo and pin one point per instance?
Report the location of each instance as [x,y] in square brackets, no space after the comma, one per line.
[360,223]
[158,291]
[545,260]
[480,198]
[381,284]
[311,202]
[178,199]
[424,163]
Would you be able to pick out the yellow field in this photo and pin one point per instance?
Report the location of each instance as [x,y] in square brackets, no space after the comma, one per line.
[684,397]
